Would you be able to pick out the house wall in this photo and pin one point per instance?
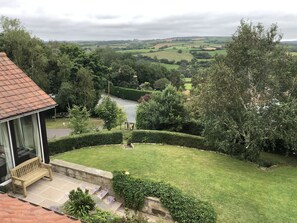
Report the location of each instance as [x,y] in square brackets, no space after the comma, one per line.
[36,144]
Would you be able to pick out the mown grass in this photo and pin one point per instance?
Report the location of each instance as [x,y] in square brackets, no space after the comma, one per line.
[239,191]
[62,123]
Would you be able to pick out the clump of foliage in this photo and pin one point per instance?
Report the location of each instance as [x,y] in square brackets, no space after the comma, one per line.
[161,84]
[165,110]
[100,216]
[79,119]
[248,97]
[183,208]
[110,113]
[133,218]
[80,203]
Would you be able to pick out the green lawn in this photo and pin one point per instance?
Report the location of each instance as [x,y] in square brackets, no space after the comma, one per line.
[62,123]
[239,191]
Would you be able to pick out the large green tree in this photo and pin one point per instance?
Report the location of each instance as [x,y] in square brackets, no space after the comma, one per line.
[29,53]
[243,99]
[165,110]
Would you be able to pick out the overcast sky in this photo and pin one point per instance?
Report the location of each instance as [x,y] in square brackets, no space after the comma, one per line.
[146,19]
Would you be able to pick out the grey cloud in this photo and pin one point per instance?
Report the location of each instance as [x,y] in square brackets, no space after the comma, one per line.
[203,24]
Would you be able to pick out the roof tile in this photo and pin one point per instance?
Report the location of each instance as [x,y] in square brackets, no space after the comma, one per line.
[18,93]
[13,210]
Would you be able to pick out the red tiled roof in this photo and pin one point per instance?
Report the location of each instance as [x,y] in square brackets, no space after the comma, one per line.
[13,210]
[18,93]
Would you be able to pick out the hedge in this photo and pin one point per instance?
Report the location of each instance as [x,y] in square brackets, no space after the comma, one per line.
[171,138]
[78,141]
[128,93]
[183,208]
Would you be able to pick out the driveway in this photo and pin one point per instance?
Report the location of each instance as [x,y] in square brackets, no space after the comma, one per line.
[128,106]
[57,133]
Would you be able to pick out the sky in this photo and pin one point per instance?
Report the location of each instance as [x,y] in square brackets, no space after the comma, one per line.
[142,19]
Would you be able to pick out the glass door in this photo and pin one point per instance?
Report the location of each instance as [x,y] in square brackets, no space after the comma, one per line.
[5,153]
[26,130]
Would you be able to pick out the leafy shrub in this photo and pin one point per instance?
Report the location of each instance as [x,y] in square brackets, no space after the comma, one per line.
[80,203]
[183,208]
[128,93]
[171,138]
[192,127]
[78,141]
[79,119]
[101,217]
[133,218]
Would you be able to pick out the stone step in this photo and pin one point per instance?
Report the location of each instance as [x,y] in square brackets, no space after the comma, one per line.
[113,207]
[109,199]
[102,193]
[92,190]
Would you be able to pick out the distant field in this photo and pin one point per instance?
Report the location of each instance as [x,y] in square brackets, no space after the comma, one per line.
[168,66]
[294,53]
[188,86]
[217,52]
[187,80]
[188,83]
[170,55]
[135,51]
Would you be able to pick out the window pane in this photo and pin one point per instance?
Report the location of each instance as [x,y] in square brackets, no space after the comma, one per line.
[5,153]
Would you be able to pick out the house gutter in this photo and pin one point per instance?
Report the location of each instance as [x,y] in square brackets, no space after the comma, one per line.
[27,113]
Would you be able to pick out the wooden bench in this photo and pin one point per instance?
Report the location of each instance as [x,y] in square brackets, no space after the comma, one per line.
[29,172]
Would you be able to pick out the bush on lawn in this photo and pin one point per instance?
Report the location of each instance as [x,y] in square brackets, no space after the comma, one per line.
[78,141]
[182,208]
[171,138]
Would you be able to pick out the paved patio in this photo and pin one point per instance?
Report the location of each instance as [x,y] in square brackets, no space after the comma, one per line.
[53,194]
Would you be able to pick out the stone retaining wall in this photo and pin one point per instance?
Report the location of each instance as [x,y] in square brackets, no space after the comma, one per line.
[87,174]
[103,178]
[153,206]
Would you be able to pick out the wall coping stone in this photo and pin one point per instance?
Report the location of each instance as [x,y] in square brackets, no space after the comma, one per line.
[97,172]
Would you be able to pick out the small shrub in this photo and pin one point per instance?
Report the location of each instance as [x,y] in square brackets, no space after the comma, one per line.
[133,218]
[101,217]
[78,141]
[79,204]
[183,208]
[79,119]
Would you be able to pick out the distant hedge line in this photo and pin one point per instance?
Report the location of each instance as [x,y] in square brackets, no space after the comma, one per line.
[128,93]
[171,138]
[78,141]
